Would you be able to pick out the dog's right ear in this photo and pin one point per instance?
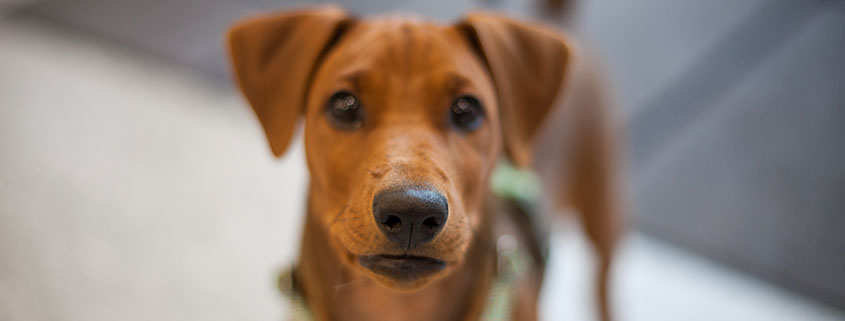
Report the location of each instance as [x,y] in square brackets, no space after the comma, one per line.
[528,64]
[273,58]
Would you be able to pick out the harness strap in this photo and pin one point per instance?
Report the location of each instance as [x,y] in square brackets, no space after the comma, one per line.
[513,263]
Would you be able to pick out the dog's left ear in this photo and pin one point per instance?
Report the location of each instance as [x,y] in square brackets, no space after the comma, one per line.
[528,65]
[273,58]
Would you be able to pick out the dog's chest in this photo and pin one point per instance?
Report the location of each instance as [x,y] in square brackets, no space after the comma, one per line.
[366,300]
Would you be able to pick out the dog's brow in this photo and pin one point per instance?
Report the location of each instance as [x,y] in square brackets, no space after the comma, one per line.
[455,83]
[355,78]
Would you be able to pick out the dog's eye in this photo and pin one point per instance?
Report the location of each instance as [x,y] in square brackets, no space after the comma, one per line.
[344,110]
[466,113]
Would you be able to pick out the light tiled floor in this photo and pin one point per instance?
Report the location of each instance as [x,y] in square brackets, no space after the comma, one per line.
[133,189]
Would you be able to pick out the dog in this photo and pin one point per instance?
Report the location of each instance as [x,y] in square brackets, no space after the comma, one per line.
[404,123]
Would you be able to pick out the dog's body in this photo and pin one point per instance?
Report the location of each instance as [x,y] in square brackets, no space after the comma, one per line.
[404,122]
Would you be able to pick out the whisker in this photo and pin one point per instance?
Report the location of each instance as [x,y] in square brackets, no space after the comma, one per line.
[339,214]
[340,286]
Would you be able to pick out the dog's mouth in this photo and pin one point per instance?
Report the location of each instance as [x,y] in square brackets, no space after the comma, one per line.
[403,268]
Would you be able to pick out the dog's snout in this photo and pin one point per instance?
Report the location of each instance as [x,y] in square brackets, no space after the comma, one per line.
[410,216]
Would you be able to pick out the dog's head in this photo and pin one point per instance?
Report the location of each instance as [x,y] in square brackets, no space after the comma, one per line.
[404,121]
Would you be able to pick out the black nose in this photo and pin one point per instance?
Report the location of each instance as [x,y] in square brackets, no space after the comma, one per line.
[410,216]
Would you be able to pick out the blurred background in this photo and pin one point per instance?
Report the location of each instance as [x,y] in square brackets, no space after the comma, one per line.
[135,184]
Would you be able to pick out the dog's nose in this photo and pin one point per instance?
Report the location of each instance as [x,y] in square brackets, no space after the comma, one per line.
[410,216]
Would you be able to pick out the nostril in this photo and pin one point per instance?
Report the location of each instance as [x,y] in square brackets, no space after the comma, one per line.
[431,223]
[393,223]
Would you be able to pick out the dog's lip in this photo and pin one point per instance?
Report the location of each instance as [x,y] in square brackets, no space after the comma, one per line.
[402,267]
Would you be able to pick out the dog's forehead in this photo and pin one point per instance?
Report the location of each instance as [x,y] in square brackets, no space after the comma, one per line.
[399,31]
[404,54]
[406,42]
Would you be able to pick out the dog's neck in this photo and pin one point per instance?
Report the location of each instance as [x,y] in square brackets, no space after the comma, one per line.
[335,291]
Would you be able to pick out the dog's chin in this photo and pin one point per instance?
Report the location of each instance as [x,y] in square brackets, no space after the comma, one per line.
[402,272]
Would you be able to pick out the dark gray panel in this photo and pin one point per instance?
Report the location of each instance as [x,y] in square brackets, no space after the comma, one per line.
[758,181]
[186,31]
[648,44]
[721,67]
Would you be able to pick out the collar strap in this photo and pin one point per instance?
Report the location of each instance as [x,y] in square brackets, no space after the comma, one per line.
[299,310]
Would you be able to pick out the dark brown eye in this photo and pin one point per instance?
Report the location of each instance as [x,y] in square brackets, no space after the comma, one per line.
[466,113]
[344,110]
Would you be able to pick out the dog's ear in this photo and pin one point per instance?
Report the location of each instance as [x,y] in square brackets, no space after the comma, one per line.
[528,65]
[273,58]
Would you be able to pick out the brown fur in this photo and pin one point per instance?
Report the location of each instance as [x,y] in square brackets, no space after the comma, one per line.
[406,73]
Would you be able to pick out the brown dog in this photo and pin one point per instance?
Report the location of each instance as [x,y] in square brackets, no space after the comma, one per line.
[404,122]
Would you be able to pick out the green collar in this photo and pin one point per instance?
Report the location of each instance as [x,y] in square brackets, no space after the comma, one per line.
[513,263]
[516,184]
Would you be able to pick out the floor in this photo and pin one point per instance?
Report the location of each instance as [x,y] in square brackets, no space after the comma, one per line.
[135,189]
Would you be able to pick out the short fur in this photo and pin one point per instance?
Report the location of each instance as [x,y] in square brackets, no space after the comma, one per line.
[406,73]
